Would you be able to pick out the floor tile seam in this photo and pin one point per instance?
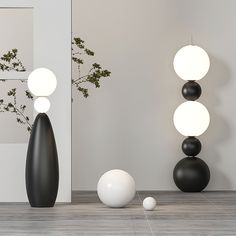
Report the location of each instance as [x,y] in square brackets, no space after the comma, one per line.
[211,203]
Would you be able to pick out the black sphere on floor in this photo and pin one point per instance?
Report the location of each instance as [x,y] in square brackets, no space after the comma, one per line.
[191,91]
[191,174]
[191,146]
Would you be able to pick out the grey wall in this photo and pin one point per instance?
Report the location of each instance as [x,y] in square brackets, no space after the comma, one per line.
[127,123]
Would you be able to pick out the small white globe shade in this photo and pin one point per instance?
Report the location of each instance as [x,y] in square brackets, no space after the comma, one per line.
[116,188]
[149,203]
[191,63]
[42,82]
[191,118]
[42,105]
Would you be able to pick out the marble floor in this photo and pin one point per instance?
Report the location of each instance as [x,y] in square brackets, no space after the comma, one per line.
[207,213]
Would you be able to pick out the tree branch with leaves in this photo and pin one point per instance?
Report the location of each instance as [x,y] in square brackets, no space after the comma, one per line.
[11,62]
[94,74]
[13,107]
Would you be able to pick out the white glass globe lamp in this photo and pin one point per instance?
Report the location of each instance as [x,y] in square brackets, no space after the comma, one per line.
[42,82]
[191,62]
[42,105]
[191,118]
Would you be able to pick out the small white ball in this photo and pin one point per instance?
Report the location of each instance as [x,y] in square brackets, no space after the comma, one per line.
[149,203]
[42,105]
[116,188]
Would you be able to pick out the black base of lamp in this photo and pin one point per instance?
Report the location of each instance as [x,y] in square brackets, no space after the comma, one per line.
[191,174]
[42,172]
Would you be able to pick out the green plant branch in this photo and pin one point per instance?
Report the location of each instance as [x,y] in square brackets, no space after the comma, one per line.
[10,62]
[14,109]
[95,73]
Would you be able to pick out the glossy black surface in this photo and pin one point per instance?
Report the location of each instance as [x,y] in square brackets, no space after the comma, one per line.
[42,172]
[191,174]
[191,146]
[191,91]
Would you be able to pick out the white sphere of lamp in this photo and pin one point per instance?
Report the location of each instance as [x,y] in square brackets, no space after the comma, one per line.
[149,203]
[42,82]
[191,118]
[116,188]
[42,105]
[191,63]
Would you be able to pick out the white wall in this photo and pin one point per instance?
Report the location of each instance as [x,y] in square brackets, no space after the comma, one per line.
[52,49]
[127,123]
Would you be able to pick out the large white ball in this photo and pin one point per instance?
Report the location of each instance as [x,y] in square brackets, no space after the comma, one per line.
[191,118]
[116,188]
[149,203]
[191,63]
[42,82]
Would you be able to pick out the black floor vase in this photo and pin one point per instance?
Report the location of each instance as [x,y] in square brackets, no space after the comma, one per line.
[42,172]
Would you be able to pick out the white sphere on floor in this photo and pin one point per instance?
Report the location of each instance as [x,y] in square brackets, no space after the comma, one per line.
[149,203]
[116,188]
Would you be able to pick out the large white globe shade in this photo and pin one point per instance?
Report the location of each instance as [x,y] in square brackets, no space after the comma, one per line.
[191,118]
[42,105]
[116,188]
[191,63]
[42,82]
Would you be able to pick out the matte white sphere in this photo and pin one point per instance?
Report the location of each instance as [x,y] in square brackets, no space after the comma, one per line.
[191,118]
[116,188]
[42,105]
[149,203]
[42,82]
[191,63]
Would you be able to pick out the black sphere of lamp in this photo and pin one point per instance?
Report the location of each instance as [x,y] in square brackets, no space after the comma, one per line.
[191,91]
[191,119]
[191,146]
[42,170]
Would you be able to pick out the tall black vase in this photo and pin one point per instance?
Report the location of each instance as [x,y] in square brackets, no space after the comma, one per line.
[42,172]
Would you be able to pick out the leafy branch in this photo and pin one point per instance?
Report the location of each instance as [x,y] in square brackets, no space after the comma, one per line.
[11,62]
[95,73]
[18,110]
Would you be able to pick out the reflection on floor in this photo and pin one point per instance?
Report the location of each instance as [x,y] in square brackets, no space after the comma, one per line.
[208,213]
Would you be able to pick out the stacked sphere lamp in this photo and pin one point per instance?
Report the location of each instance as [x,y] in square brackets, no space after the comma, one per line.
[191,119]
